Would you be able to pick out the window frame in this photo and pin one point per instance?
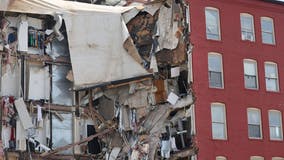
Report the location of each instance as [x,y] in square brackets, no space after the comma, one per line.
[223,123]
[281,125]
[277,76]
[221,158]
[218,23]
[272,32]
[277,158]
[260,122]
[256,73]
[252,23]
[222,71]
[256,158]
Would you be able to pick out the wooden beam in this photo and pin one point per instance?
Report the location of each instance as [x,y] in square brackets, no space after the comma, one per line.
[63,148]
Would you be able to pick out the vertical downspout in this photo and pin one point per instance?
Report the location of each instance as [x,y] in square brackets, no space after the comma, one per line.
[50,101]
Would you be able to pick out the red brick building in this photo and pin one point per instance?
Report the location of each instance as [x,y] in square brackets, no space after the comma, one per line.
[238,77]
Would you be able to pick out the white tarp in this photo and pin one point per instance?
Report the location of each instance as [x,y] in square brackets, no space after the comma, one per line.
[96,35]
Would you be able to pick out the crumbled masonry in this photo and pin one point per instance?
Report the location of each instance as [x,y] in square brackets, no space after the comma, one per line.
[91,81]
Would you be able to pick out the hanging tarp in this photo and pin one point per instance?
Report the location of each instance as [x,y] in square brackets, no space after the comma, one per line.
[96,35]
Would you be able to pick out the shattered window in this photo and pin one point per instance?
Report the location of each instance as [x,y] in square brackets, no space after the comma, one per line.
[218,121]
[215,70]
[271,76]
[275,125]
[212,23]
[250,74]
[267,30]
[247,27]
[254,123]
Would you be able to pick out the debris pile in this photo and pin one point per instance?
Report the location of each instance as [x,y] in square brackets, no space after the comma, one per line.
[96,82]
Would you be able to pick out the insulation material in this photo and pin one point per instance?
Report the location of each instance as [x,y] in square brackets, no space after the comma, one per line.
[61,87]
[10,83]
[20,137]
[24,116]
[39,82]
[62,132]
[167,28]
[23,34]
[6,134]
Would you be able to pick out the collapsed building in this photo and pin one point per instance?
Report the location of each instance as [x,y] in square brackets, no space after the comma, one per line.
[84,81]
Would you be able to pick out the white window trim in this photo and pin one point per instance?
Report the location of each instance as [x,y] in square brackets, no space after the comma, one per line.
[221,158]
[256,158]
[281,127]
[273,32]
[222,74]
[225,120]
[277,82]
[277,158]
[260,121]
[218,23]
[253,31]
[256,71]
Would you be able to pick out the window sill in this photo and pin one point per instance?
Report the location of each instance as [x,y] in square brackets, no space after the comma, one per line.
[273,92]
[216,88]
[221,140]
[251,89]
[255,139]
[248,41]
[270,45]
[216,41]
[276,140]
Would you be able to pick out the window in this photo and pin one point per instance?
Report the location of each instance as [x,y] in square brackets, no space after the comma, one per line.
[267,30]
[218,116]
[215,70]
[247,27]
[221,158]
[250,74]
[212,23]
[256,158]
[254,123]
[271,76]
[275,125]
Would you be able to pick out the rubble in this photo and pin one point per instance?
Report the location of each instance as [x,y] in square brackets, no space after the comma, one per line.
[95,82]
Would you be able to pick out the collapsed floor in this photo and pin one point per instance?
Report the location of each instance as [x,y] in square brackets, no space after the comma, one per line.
[65,96]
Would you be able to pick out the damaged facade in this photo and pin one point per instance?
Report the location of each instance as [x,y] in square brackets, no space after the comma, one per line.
[95,82]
